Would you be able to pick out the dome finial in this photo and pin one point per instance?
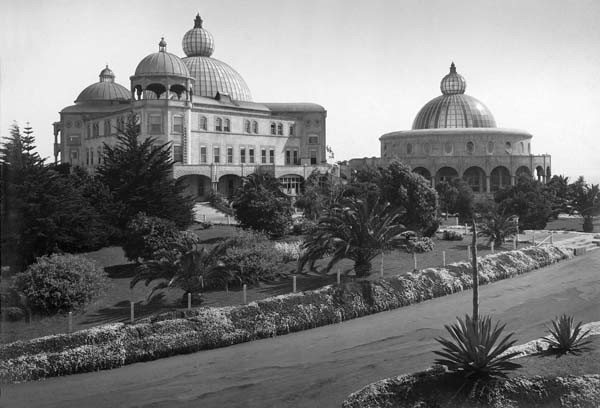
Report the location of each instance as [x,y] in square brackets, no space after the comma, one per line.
[106,75]
[452,68]
[198,21]
[162,45]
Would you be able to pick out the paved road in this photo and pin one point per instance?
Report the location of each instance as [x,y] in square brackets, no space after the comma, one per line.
[320,367]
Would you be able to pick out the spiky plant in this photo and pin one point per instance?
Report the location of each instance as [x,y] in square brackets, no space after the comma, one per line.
[564,337]
[476,349]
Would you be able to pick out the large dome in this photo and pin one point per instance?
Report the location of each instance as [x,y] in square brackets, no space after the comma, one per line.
[162,63]
[105,90]
[454,109]
[210,74]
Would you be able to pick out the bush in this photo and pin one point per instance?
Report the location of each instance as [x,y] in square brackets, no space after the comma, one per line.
[289,251]
[14,314]
[61,283]
[423,244]
[220,203]
[147,238]
[303,226]
[565,337]
[252,258]
[450,235]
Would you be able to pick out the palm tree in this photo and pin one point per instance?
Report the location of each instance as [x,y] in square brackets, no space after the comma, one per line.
[586,201]
[184,268]
[354,229]
[498,225]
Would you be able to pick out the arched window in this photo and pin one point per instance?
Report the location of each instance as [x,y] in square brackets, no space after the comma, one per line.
[219,124]
[273,128]
[490,147]
[292,130]
[203,123]
[227,126]
[508,147]
[448,148]
[247,126]
[255,126]
[280,129]
[409,148]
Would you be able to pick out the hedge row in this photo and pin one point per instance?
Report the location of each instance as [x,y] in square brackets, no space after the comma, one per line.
[167,334]
[438,388]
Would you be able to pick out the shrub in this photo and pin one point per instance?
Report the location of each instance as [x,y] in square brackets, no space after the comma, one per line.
[476,349]
[61,283]
[564,337]
[303,226]
[420,245]
[14,314]
[450,235]
[290,251]
[220,203]
[251,258]
[147,238]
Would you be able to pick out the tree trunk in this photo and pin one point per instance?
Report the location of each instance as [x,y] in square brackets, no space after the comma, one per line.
[362,268]
[475,274]
[588,224]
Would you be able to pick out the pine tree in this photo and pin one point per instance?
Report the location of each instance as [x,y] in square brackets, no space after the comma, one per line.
[138,174]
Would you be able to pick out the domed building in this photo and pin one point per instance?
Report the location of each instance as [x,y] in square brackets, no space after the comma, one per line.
[455,135]
[205,109]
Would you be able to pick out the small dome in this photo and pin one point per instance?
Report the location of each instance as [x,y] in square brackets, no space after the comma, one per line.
[162,63]
[210,74]
[453,83]
[106,75]
[105,90]
[454,109]
[198,42]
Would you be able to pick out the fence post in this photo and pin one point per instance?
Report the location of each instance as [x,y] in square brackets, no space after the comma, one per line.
[468,251]
[70,323]
[415,260]
[466,229]
[293,283]
[189,301]
[244,294]
[338,276]
[381,269]
[132,305]
[203,217]
[533,238]
[515,242]
[228,220]
[492,246]
[552,237]
[202,282]
[443,258]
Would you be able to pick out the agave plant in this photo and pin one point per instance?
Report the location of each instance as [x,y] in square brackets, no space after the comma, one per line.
[564,337]
[476,349]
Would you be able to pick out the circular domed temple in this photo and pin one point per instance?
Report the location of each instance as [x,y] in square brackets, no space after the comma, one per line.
[455,135]
[204,109]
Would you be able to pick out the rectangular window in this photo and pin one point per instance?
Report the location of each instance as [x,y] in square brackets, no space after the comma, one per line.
[251,154]
[155,124]
[243,155]
[177,124]
[202,154]
[177,154]
[255,127]
[230,155]
[96,128]
[313,140]
[313,157]
[92,157]
[99,155]
[227,125]
[288,157]
[216,155]
[74,140]
[271,156]
[296,157]
[87,156]
[263,156]
[107,128]
[74,154]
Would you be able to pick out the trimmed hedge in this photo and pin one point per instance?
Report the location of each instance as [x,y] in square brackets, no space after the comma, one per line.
[439,388]
[178,332]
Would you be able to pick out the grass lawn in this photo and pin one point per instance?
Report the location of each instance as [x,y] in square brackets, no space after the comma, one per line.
[115,305]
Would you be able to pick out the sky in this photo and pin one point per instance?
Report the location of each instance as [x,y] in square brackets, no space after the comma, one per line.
[372,64]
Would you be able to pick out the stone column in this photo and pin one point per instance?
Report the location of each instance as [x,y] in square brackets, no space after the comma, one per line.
[487,184]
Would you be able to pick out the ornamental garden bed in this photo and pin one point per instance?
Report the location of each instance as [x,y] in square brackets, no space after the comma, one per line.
[180,332]
[544,380]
